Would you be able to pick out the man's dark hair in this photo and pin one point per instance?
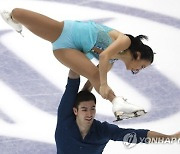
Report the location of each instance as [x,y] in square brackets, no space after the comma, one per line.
[84,95]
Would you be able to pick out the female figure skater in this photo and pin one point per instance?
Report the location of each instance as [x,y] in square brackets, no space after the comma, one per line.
[75,43]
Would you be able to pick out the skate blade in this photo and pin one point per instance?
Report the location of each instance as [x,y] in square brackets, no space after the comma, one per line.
[20,32]
[125,116]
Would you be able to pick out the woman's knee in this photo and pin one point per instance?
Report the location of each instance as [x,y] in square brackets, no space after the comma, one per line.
[93,74]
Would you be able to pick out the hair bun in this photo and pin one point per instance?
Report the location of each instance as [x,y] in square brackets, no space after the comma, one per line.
[141,37]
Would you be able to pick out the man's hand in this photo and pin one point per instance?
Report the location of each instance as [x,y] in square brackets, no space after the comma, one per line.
[176,135]
[73,75]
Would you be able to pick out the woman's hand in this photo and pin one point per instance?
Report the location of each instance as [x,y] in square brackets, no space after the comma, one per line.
[105,91]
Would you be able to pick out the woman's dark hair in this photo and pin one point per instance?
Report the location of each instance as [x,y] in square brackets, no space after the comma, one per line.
[138,45]
[84,96]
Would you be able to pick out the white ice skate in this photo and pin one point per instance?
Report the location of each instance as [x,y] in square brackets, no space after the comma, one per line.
[8,19]
[125,110]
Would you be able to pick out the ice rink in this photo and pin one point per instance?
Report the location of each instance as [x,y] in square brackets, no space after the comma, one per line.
[32,81]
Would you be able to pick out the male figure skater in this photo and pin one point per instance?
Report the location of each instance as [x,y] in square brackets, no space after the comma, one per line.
[78,132]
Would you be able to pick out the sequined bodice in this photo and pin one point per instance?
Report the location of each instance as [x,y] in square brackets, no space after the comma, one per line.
[103,41]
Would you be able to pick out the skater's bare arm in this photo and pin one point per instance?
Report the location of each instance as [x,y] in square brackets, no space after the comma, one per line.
[120,44]
[159,137]
[87,86]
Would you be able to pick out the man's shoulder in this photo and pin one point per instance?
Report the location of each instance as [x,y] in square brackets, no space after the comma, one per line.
[105,125]
[101,124]
[103,129]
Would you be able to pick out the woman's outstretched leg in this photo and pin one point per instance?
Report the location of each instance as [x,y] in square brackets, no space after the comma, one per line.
[41,25]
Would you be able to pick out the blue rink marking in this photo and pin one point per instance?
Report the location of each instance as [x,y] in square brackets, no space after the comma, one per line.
[118,8]
[27,82]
